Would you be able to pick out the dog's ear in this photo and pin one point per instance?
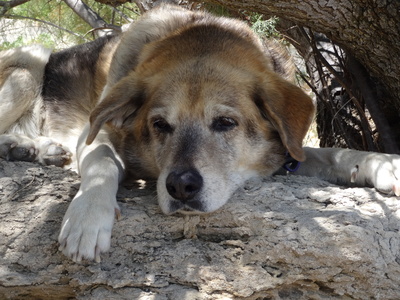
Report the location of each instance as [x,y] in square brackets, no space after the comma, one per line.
[123,99]
[288,108]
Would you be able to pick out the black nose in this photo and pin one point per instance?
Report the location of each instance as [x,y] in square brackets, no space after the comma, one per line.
[184,185]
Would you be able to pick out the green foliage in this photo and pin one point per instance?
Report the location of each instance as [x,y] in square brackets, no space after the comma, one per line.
[264,27]
[260,25]
[216,9]
[53,24]
[8,45]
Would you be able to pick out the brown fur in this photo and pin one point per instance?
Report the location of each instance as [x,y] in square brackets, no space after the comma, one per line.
[178,92]
[199,70]
[208,62]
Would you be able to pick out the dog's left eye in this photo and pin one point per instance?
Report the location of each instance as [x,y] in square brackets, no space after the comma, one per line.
[162,125]
[223,124]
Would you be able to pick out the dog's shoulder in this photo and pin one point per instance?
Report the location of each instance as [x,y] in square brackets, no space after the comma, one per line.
[68,62]
[77,68]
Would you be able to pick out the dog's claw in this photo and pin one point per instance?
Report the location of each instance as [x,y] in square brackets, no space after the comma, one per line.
[63,243]
[78,258]
[354,174]
[396,189]
[97,255]
[117,213]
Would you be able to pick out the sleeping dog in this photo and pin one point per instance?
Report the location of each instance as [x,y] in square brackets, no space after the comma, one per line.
[197,101]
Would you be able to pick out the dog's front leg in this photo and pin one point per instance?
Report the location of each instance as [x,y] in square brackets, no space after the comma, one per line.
[344,166]
[87,224]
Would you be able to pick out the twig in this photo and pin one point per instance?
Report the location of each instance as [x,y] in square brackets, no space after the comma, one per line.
[17,191]
[109,26]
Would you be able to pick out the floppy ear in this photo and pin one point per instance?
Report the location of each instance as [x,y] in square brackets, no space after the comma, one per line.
[123,99]
[289,109]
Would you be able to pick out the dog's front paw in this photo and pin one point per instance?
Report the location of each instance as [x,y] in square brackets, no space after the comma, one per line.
[17,148]
[380,170]
[86,227]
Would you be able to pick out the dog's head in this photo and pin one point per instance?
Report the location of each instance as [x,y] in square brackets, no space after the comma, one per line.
[203,112]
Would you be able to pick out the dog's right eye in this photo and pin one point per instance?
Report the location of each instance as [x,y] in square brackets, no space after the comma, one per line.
[223,124]
[162,125]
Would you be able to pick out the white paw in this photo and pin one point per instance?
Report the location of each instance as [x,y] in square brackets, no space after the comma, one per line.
[15,147]
[382,171]
[387,175]
[87,225]
[52,153]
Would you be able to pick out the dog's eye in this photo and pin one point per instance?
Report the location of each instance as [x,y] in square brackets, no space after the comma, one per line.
[162,125]
[223,124]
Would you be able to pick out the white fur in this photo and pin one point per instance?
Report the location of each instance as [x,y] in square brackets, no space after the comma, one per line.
[87,224]
[360,168]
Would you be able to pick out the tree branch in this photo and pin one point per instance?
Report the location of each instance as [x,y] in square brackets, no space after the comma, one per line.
[12,3]
[7,5]
[87,14]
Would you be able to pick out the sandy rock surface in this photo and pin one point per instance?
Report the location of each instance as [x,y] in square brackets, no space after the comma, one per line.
[277,238]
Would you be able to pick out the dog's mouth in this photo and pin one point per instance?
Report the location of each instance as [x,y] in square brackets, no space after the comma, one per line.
[189,207]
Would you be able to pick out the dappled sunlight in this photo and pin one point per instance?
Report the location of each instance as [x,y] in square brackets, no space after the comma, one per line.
[146,296]
[272,232]
[30,219]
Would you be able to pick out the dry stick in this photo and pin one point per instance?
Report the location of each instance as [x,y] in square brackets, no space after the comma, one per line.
[363,118]
[318,62]
[364,121]
[24,187]
[371,100]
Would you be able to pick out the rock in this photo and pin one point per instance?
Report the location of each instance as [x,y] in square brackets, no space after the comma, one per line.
[278,238]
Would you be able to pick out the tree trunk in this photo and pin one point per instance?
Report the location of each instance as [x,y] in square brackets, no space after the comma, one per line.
[277,238]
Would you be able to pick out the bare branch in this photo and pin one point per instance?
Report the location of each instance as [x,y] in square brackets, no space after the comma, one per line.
[87,14]
[122,15]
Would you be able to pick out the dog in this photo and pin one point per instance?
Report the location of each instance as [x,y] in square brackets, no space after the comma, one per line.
[194,100]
